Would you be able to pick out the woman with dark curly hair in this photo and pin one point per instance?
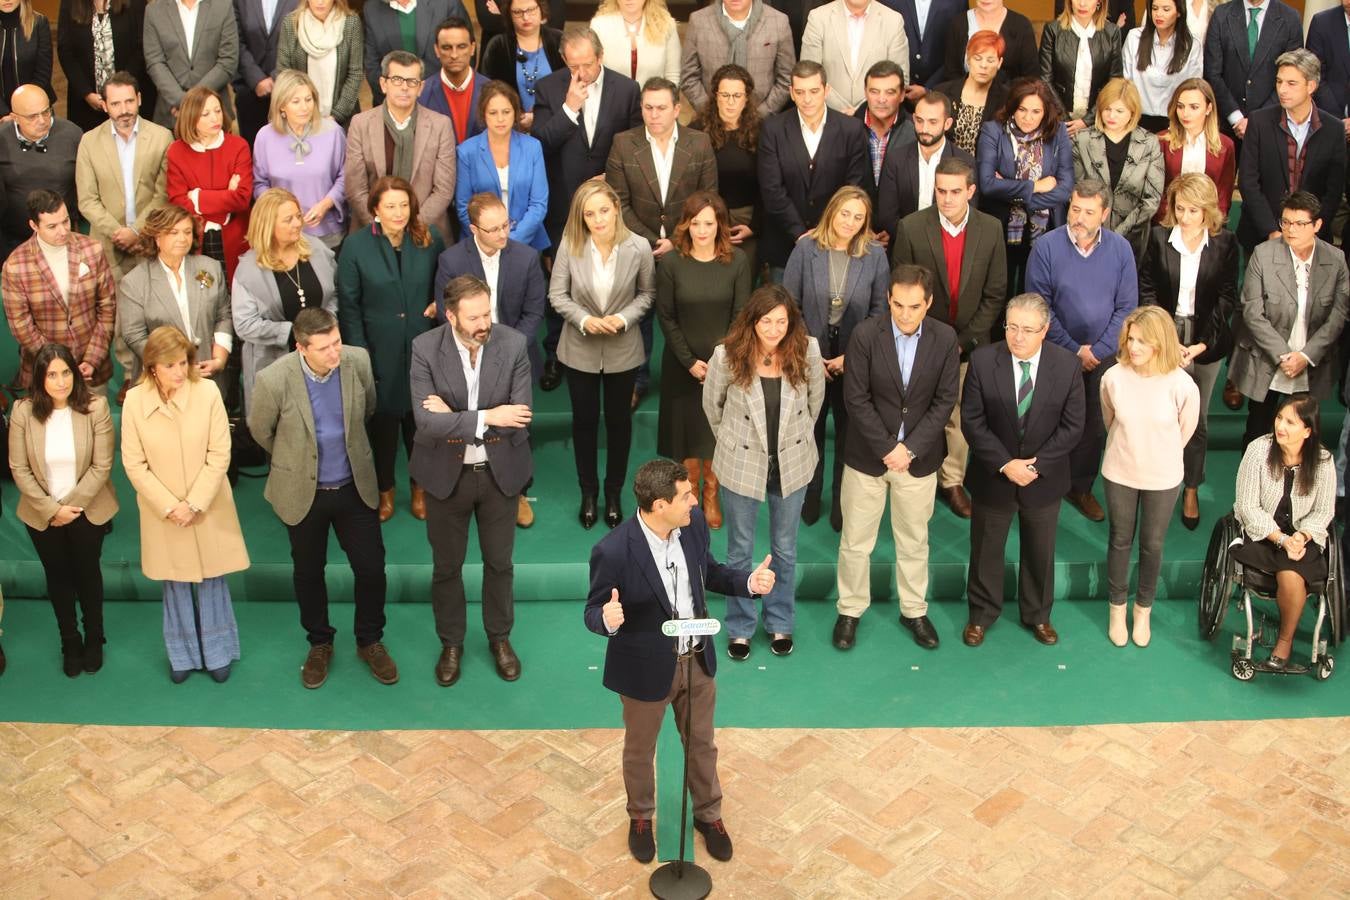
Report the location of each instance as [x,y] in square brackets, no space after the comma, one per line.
[731,122]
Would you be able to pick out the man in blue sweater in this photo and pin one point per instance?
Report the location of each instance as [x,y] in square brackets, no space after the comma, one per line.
[1087,275]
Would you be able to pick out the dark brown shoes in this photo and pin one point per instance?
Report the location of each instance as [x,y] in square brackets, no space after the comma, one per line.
[419,502]
[380,662]
[972,635]
[1087,505]
[447,667]
[386,505]
[315,670]
[956,500]
[1232,397]
[508,664]
[1045,633]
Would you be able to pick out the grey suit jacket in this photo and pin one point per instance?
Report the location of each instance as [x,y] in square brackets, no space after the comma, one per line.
[256,311]
[281,420]
[98,183]
[1136,196]
[1269,306]
[769,57]
[442,438]
[145,301]
[433,175]
[826,41]
[737,417]
[571,291]
[213,61]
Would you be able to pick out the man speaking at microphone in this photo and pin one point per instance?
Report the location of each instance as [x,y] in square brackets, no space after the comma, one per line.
[654,567]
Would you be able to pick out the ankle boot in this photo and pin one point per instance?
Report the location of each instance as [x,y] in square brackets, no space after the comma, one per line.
[712,504]
[1142,632]
[386,505]
[1117,631]
[419,502]
[72,655]
[694,467]
[92,658]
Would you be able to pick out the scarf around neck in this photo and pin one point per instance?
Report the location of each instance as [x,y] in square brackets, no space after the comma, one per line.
[403,142]
[739,38]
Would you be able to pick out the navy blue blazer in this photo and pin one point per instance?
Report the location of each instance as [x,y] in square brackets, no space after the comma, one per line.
[994,154]
[257,43]
[1246,82]
[433,98]
[522,292]
[1327,37]
[926,53]
[382,34]
[640,660]
[527,185]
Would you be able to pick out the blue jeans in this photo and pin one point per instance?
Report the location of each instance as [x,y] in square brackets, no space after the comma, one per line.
[739,515]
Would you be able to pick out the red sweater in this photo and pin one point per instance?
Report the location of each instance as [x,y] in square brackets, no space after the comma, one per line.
[953,248]
[211,171]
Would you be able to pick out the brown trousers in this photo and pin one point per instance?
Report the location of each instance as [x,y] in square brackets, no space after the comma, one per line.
[642,723]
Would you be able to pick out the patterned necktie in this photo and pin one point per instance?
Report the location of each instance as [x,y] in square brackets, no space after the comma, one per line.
[1024,388]
[1253,29]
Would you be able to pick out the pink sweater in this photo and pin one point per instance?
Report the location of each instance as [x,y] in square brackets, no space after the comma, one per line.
[1148,422]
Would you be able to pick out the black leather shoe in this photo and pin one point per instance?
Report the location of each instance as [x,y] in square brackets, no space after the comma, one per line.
[447,667]
[781,646]
[738,650]
[836,514]
[72,655]
[811,508]
[925,635]
[641,840]
[588,514]
[613,512]
[716,838]
[508,664]
[93,653]
[551,377]
[2,660]
[845,632]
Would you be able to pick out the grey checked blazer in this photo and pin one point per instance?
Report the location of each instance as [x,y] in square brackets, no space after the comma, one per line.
[282,422]
[1259,493]
[572,294]
[214,59]
[737,417]
[1137,194]
[769,57]
[145,301]
[1269,304]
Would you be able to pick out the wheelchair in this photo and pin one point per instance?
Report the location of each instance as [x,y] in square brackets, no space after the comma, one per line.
[1224,577]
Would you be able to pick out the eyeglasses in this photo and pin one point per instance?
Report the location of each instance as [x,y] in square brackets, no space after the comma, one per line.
[1021,330]
[399,81]
[37,116]
[730,97]
[503,228]
[524,13]
[1291,225]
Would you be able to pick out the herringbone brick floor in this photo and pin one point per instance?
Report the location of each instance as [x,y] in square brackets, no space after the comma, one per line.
[1203,809]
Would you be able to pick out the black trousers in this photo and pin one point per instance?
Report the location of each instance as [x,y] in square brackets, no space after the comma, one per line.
[644,372]
[251,113]
[384,430]
[70,556]
[989,526]
[1086,459]
[1261,416]
[1017,257]
[476,495]
[589,391]
[833,405]
[358,533]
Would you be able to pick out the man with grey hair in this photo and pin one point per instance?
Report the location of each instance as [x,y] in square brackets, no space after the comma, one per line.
[401,138]
[1087,275]
[1022,411]
[1290,147]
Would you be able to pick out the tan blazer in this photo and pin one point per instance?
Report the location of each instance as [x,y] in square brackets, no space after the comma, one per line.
[98,183]
[181,451]
[825,41]
[93,459]
[433,165]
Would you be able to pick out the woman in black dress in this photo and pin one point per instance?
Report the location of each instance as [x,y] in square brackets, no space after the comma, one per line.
[94,39]
[731,121]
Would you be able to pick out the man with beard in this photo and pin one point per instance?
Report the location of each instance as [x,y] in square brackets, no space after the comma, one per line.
[1087,275]
[909,172]
[472,402]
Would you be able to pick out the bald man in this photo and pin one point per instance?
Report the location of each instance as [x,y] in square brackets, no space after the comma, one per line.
[37,151]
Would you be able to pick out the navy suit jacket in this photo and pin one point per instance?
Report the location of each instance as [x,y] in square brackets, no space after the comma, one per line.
[522,292]
[640,660]
[433,98]
[1241,81]
[1327,37]
[257,44]
[925,55]
[898,193]
[570,155]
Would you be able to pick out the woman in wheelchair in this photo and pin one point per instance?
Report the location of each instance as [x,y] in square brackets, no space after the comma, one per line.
[1286,496]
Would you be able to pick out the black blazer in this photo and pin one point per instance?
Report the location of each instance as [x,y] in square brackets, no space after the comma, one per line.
[1114,10]
[795,187]
[1215,286]
[571,156]
[34,57]
[998,95]
[1263,171]
[925,54]
[1059,62]
[878,403]
[898,193]
[1019,60]
[989,424]
[796,12]
[640,660]
[499,56]
[522,292]
[1244,82]
[75,49]
[1327,39]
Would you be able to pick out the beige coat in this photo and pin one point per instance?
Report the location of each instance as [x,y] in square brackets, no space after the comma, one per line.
[94,441]
[181,451]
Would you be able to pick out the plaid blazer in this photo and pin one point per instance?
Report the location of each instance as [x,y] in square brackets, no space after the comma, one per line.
[631,171]
[38,315]
[737,417]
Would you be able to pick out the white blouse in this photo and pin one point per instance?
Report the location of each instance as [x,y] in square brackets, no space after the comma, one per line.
[653,59]
[1156,85]
[1190,270]
[59,454]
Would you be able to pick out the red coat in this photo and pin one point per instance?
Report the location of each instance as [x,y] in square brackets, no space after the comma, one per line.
[210,171]
[1221,169]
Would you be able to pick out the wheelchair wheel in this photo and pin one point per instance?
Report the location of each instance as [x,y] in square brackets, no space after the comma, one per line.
[1325,666]
[1336,593]
[1243,670]
[1216,581]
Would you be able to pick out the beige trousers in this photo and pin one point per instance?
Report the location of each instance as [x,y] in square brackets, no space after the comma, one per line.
[953,470]
[864,500]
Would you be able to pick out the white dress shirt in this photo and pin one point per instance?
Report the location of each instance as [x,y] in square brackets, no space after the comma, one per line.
[857,30]
[1248,8]
[491,267]
[921,8]
[58,455]
[473,453]
[590,107]
[1194,154]
[1298,335]
[663,162]
[956,229]
[673,568]
[1190,269]
[812,138]
[188,15]
[927,174]
[602,278]
[1017,371]
[1156,85]
[126,158]
[178,285]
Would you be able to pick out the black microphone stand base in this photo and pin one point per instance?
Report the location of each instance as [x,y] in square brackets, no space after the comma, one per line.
[678,880]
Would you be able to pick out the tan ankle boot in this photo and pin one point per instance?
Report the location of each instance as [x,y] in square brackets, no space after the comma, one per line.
[419,502]
[712,504]
[1142,633]
[1117,631]
[386,505]
[694,467]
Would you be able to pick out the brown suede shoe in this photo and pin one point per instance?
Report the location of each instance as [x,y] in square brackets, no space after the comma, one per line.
[508,664]
[1087,505]
[973,635]
[524,513]
[386,505]
[315,670]
[956,500]
[419,503]
[380,662]
[447,667]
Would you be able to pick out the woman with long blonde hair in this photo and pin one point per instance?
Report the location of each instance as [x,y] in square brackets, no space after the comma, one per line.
[1080,52]
[1192,142]
[640,39]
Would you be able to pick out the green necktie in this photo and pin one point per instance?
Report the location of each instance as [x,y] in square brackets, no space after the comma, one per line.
[1024,388]
[1253,30]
